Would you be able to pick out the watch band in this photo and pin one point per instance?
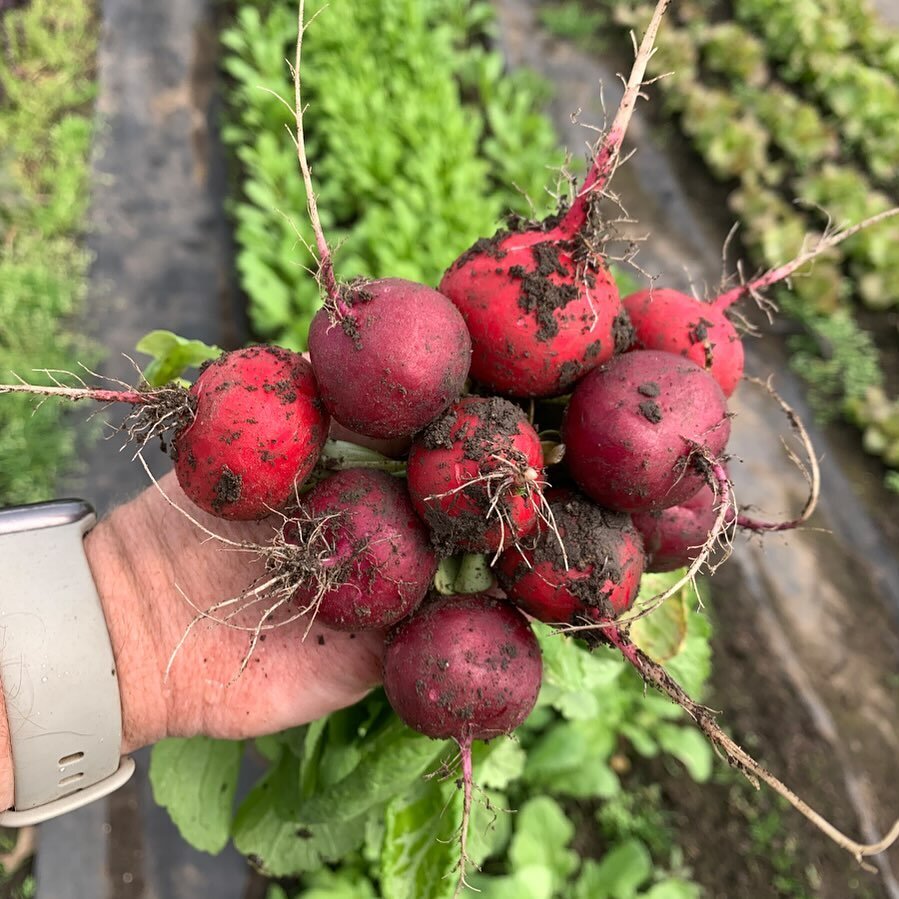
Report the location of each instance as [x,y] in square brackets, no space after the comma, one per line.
[56,665]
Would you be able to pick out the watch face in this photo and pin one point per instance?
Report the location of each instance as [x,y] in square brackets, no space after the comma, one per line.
[36,516]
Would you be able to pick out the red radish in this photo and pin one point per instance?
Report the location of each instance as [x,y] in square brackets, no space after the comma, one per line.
[256,432]
[635,430]
[588,566]
[389,356]
[372,561]
[475,476]
[465,668]
[669,320]
[246,434]
[540,303]
[673,537]
[538,318]
[677,323]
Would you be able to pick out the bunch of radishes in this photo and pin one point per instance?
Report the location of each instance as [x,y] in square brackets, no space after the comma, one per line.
[526,330]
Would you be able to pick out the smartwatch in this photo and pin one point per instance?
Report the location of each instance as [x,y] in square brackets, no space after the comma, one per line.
[57,667]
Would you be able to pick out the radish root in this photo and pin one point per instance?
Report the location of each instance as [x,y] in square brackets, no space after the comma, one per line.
[654,674]
[606,156]
[809,468]
[830,239]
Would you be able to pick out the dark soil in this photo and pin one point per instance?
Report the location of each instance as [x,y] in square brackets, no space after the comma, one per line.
[743,844]
[593,540]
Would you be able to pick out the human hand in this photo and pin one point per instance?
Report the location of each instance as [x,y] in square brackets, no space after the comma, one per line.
[143,556]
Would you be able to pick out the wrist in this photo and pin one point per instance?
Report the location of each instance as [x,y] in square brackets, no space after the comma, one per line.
[6,767]
[148,561]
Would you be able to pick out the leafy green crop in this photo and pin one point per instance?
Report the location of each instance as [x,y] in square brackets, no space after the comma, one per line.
[46,90]
[418,141]
[362,790]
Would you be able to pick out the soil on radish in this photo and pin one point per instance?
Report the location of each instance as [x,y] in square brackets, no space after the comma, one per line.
[464,522]
[592,539]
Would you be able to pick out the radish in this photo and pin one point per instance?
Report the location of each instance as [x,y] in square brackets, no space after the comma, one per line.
[672,321]
[475,476]
[589,566]
[675,322]
[257,430]
[673,537]
[464,668]
[369,555]
[246,434]
[389,355]
[638,430]
[540,304]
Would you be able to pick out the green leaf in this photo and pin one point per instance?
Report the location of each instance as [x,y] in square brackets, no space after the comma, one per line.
[572,674]
[571,759]
[490,829]
[542,834]
[421,843]
[172,355]
[344,883]
[195,781]
[531,882]
[688,745]
[663,634]
[498,763]
[268,827]
[692,666]
[392,760]
[673,888]
[618,876]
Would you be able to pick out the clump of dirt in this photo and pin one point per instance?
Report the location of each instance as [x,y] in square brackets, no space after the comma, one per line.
[590,544]
[487,431]
[227,489]
[623,332]
[651,411]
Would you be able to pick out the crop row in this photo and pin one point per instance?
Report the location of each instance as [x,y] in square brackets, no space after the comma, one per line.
[413,161]
[46,90]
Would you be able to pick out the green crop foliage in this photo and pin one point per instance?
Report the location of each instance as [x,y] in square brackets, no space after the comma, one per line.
[418,140]
[350,805]
[46,91]
[816,47]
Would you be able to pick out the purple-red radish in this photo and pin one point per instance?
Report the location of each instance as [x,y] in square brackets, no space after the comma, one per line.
[257,430]
[370,557]
[587,567]
[466,668]
[463,668]
[673,537]
[475,476]
[389,356]
[665,319]
[636,428]
[539,302]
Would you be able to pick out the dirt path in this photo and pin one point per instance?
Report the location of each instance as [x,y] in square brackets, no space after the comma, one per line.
[163,259]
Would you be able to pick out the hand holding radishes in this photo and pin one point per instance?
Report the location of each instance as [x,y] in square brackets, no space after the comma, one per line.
[145,557]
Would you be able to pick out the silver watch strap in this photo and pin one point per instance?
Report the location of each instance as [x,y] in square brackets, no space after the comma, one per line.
[56,665]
